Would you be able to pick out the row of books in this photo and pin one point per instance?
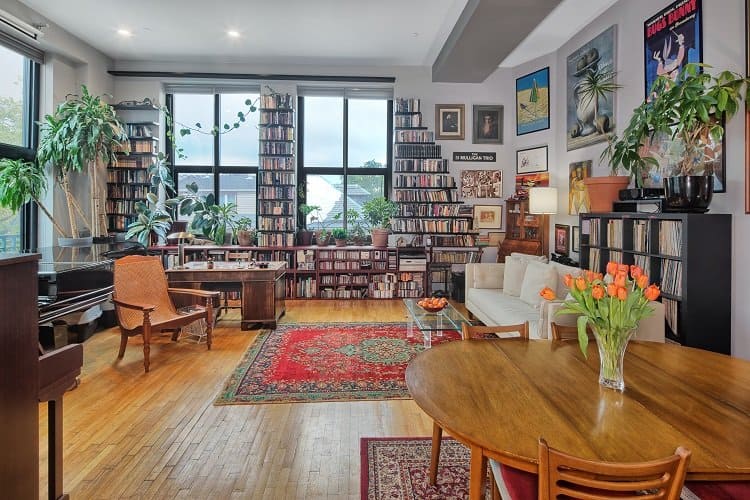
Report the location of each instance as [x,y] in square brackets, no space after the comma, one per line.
[119,222]
[455,257]
[306,260]
[670,237]
[640,235]
[671,312]
[121,206]
[352,254]
[134,162]
[615,256]
[462,240]
[276,118]
[277,134]
[276,177]
[276,208]
[344,279]
[277,164]
[614,233]
[432,210]
[642,261]
[671,276]
[277,148]
[276,192]
[128,176]
[277,223]
[432,225]
[439,165]
[127,190]
[424,196]
[406,105]
[276,239]
[277,101]
[342,293]
[417,150]
[306,288]
[594,257]
[594,233]
[415,136]
[141,146]
[407,121]
[425,180]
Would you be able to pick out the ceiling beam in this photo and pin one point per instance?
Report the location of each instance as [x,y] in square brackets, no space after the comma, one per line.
[485,33]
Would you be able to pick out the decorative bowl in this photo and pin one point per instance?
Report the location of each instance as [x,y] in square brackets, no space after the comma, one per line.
[432,309]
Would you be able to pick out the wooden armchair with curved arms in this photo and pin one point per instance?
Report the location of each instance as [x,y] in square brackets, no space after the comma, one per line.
[143,303]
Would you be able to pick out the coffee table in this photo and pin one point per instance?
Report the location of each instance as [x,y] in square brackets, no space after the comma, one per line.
[427,323]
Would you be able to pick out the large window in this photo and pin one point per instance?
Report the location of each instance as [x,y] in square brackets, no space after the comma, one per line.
[345,158]
[19,80]
[226,164]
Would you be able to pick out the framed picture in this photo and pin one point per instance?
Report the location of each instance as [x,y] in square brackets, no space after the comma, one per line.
[449,121]
[488,216]
[532,102]
[488,124]
[578,194]
[562,239]
[482,183]
[575,239]
[527,181]
[671,39]
[532,160]
[495,238]
[590,119]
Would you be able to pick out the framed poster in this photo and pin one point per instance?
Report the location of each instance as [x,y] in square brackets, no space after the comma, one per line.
[671,39]
[575,239]
[488,216]
[590,119]
[488,124]
[449,121]
[578,194]
[531,160]
[482,183]
[562,239]
[527,181]
[495,238]
[532,102]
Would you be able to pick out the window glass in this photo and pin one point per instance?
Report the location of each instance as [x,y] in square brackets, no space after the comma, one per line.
[367,133]
[10,231]
[324,132]
[238,147]
[239,189]
[12,92]
[189,110]
[327,192]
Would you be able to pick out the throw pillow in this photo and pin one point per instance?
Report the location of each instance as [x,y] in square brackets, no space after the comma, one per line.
[562,270]
[489,276]
[537,276]
[529,257]
[515,268]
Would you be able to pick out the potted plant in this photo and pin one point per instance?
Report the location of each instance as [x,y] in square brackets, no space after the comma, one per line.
[378,213]
[152,224]
[355,225]
[340,235]
[210,219]
[245,233]
[689,110]
[305,235]
[83,133]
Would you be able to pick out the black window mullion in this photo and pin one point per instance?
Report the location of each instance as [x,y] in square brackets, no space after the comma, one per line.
[346,159]
[217,145]
[387,178]
[32,91]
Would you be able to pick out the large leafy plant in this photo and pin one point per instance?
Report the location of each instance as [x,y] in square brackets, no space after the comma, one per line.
[378,212]
[209,218]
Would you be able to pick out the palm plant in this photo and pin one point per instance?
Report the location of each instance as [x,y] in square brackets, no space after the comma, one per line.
[22,181]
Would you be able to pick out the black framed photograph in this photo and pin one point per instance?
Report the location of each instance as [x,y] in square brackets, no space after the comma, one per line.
[672,38]
[488,124]
[532,160]
[449,121]
[575,239]
[532,102]
[562,239]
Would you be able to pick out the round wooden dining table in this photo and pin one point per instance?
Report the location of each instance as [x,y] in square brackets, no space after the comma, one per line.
[498,397]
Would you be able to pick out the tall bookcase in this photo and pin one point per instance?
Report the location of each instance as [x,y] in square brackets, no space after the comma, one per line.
[689,255]
[277,184]
[524,232]
[128,180]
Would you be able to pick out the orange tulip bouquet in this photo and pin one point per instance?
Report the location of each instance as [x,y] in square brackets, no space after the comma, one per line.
[612,306]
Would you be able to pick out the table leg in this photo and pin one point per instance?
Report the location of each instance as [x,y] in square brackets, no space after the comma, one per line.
[55,449]
[427,338]
[477,473]
[437,437]
[410,326]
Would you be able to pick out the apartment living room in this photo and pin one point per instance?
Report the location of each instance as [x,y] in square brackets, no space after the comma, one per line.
[266,249]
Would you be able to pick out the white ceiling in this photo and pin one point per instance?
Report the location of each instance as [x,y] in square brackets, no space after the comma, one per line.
[361,32]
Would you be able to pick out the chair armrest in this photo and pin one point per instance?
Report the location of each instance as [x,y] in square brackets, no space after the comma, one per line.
[134,305]
[194,291]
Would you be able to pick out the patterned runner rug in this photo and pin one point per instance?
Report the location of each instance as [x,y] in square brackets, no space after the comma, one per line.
[326,362]
[397,469]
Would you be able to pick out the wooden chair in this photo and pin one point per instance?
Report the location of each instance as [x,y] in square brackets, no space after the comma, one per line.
[143,303]
[469,332]
[562,332]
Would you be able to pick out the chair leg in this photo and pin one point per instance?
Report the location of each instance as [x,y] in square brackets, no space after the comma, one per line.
[146,342]
[209,323]
[123,344]
[437,436]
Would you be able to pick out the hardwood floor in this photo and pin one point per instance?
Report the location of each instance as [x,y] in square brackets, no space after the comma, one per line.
[130,434]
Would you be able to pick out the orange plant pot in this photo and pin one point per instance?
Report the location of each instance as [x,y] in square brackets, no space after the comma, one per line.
[603,191]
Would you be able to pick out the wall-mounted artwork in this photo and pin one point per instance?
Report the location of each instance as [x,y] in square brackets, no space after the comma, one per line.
[449,121]
[575,239]
[532,102]
[531,160]
[482,183]
[488,124]
[562,239]
[671,39]
[488,216]
[578,195]
[526,181]
[591,119]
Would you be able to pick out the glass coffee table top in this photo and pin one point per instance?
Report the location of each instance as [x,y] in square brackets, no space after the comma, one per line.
[447,319]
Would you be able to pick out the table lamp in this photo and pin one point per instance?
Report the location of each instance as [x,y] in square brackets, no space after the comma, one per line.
[543,200]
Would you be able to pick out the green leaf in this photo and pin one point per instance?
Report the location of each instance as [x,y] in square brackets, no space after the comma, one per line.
[583,338]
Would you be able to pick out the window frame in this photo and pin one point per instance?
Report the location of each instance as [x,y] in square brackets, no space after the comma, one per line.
[345,171]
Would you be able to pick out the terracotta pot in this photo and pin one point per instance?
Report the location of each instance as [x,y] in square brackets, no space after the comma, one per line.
[245,238]
[305,237]
[603,191]
[321,239]
[380,237]
[340,243]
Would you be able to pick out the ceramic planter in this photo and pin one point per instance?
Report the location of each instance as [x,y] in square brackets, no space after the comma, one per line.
[603,191]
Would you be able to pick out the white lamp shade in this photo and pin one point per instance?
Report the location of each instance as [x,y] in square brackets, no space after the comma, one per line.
[543,200]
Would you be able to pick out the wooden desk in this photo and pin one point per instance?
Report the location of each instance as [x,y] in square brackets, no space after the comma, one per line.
[499,396]
[262,289]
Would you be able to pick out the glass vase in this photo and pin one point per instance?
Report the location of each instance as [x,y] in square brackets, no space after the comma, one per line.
[612,343]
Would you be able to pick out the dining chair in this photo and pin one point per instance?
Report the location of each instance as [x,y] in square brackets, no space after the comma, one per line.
[566,476]
[143,303]
[562,332]
[470,332]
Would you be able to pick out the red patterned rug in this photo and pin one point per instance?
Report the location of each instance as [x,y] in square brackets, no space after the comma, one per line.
[326,362]
[397,469]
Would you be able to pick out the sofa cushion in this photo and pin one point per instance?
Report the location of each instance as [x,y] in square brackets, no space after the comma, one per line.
[528,257]
[515,268]
[537,276]
[496,308]
[561,290]
[491,276]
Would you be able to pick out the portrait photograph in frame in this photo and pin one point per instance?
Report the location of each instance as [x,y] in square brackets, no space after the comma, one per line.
[488,216]
[449,121]
[532,160]
[532,102]
[575,239]
[487,123]
[562,239]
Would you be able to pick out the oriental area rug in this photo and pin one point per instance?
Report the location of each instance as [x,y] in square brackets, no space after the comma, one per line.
[398,469]
[307,362]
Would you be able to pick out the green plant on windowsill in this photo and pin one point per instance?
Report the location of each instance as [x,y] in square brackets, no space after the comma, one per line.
[153,222]
[355,224]
[245,232]
[340,235]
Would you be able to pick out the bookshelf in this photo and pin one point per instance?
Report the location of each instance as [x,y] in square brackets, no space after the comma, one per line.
[688,255]
[423,188]
[524,232]
[277,183]
[128,181]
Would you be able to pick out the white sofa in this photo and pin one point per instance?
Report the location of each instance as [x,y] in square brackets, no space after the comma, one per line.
[487,300]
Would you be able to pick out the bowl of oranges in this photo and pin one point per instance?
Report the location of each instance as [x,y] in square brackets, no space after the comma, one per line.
[433,304]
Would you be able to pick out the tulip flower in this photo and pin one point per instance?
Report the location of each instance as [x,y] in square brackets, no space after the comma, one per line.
[642,281]
[635,272]
[568,280]
[590,276]
[547,293]
[597,292]
[622,293]
[621,279]
[580,283]
[652,292]
[612,290]
[611,268]
[623,268]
